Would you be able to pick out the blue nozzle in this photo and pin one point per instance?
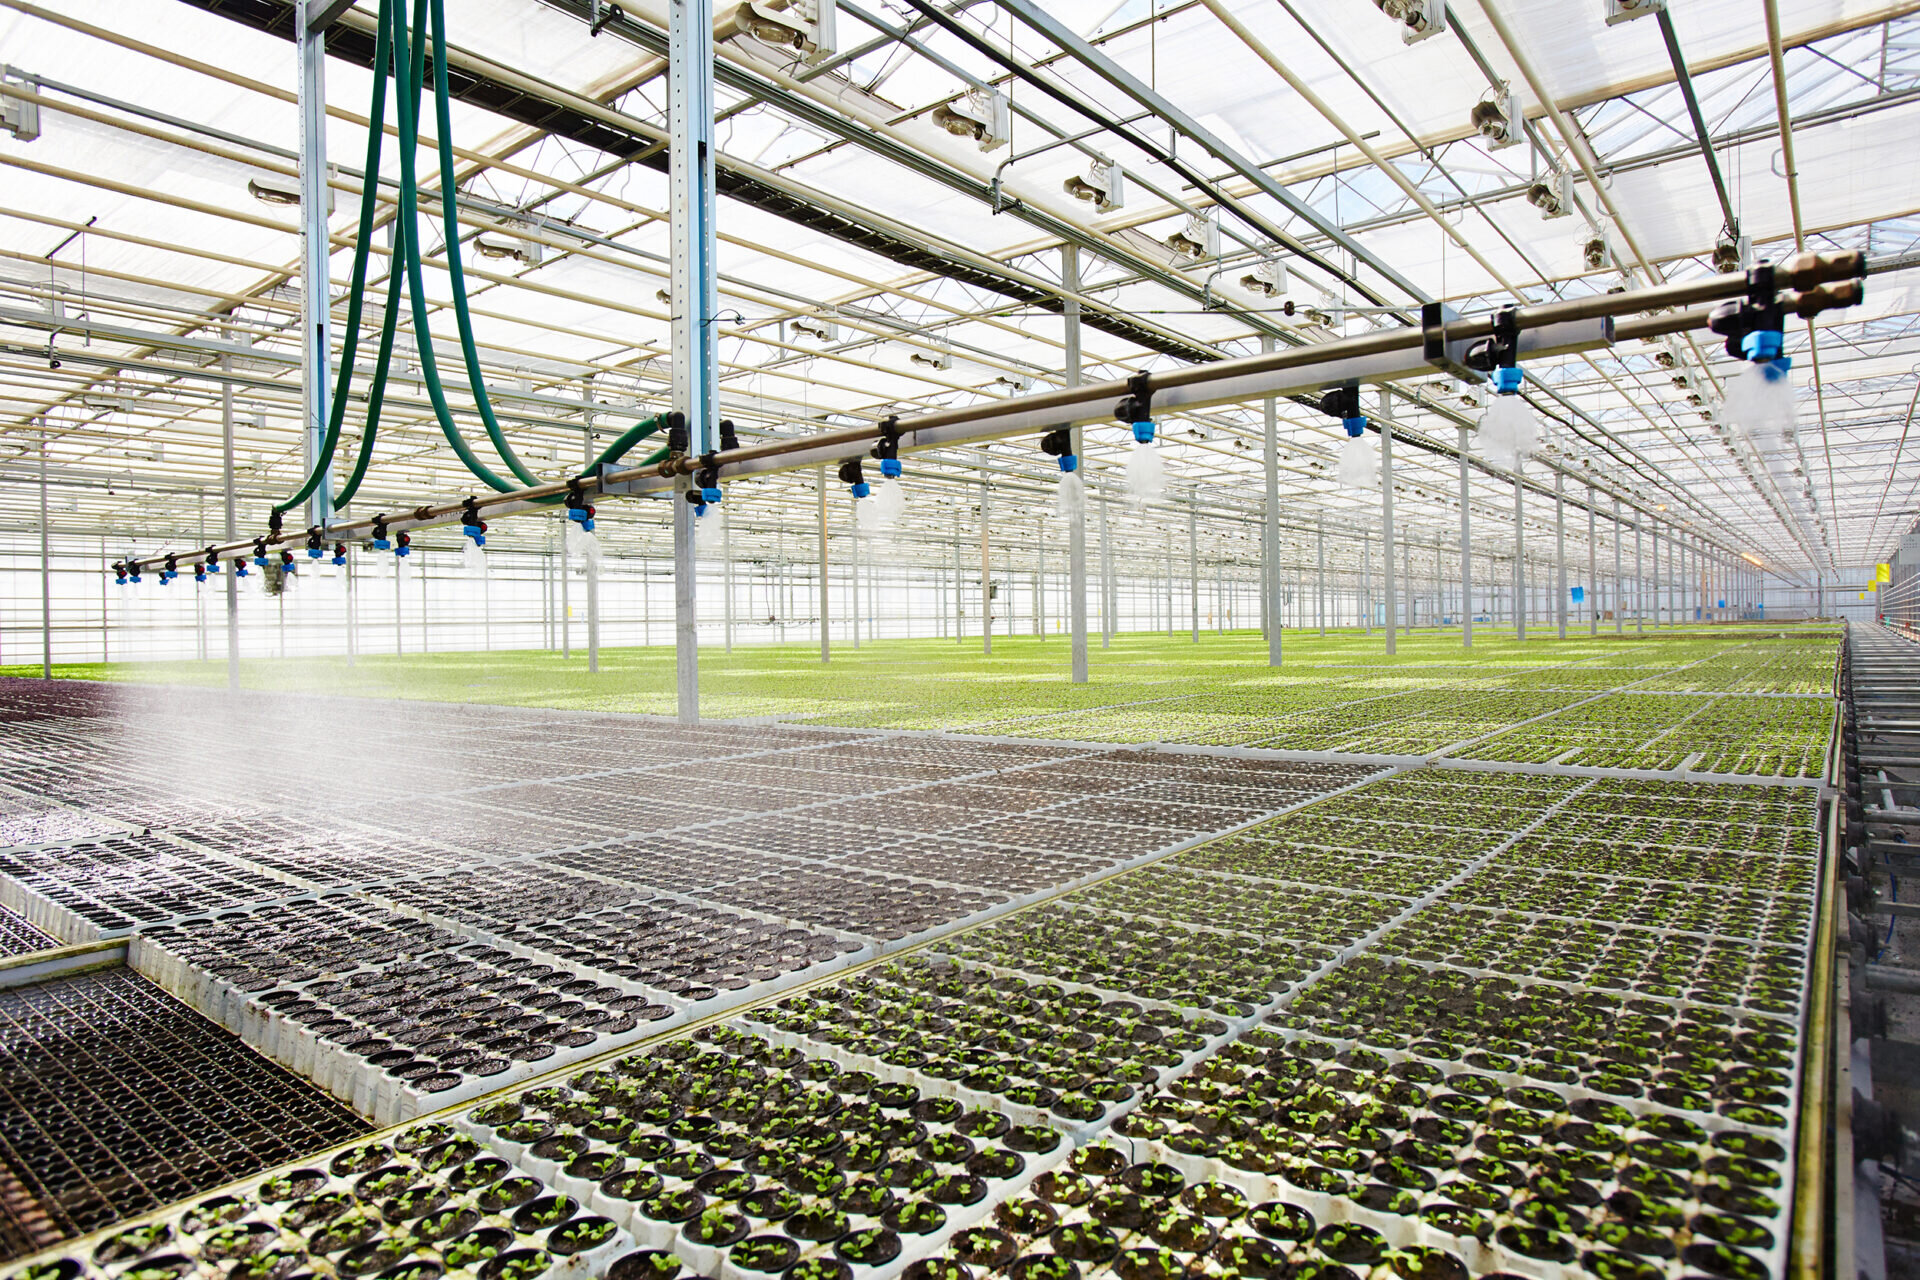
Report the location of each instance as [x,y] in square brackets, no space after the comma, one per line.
[403,551]
[475,532]
[314,553]
[239,569]
[1143,432]
[890,468]
[1356,427]
[1763,344]
[383,544]
[862,489]
[133,577]
[1776,370]
[713,495]
[339,559]
[1507,380]
[1069,462]
[200,575]
[581,515]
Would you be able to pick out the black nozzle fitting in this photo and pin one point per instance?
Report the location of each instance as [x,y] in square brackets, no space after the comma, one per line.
[1342,403]
[1760,311]
[888,445]
[850,472]
[1137,404]
[1057,443]
[729,435]
[1502,350]
[676,433]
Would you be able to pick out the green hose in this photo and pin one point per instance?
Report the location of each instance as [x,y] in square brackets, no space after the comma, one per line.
[407,74]
[630,437]
[369,201]
[409,204]
[456,274]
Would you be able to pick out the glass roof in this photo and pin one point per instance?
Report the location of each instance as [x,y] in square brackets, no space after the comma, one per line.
[902,269]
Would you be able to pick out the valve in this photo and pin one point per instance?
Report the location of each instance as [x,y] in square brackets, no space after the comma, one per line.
[119,573]
[200,571]
[287,565]
[577,509]
[676,434]
[471,524]
[887,450]
[381,542]
[852,476]
[212,563]
[1499,355]
[707,480]
[1754,326]
[1135,409]
[729,436]
[339,553]
[314,549]
[260,553]
[1344,403]
[402,543]
[170,571]
[1058,443]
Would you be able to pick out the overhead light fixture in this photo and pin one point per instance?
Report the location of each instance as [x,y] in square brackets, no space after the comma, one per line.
[819,328]
[1016,384]
[938,359]
[980,114]
[1420,19]
[1268,279]
[501,244]
[274,188]
[18,116]
[1499,120]
[1597,250]
[1552,195]
[809,27]
[1732,253]
[1103,187]
[1619,11]
[1198,240]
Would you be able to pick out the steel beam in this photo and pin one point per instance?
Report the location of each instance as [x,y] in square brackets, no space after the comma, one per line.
[695,366]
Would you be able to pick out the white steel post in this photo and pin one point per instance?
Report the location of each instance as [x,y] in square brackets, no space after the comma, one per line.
[1560,551]
[1193,564]
[690,172]
[1519,552]
[1077,517]
[1593,552]
[1388,585]
[1619,587]
[986,566]
[316,371]
[1466,546]
[1320,582]
[826,610]
[1270,527]
[226,485]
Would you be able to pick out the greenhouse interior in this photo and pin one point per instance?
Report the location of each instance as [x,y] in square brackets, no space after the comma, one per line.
[1294,626]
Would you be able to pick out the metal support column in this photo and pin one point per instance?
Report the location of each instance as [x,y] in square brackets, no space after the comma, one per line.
[1653,570]
[1193,565]
[1593,553]
[1560,552]
[1366,584]
[1466,545]
[726,567]
[226,487]
[1388,585]
[593,580]
[1639,582]
[853,570]
[1077,516]
[46,566]
[1619,594]
[690,173]
[1519,553]
[826,608]
[1109,590]
[1270,527]
[986,564]
[316,372]
[1320,583]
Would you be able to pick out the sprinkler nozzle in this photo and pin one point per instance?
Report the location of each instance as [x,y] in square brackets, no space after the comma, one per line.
[887,450]
[1143,432]
[403,544]
[852,476]
[339,553]
[1058,443]
[1508,379]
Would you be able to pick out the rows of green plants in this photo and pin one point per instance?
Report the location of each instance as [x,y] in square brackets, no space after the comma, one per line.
[1405,1032]
[1763,737]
